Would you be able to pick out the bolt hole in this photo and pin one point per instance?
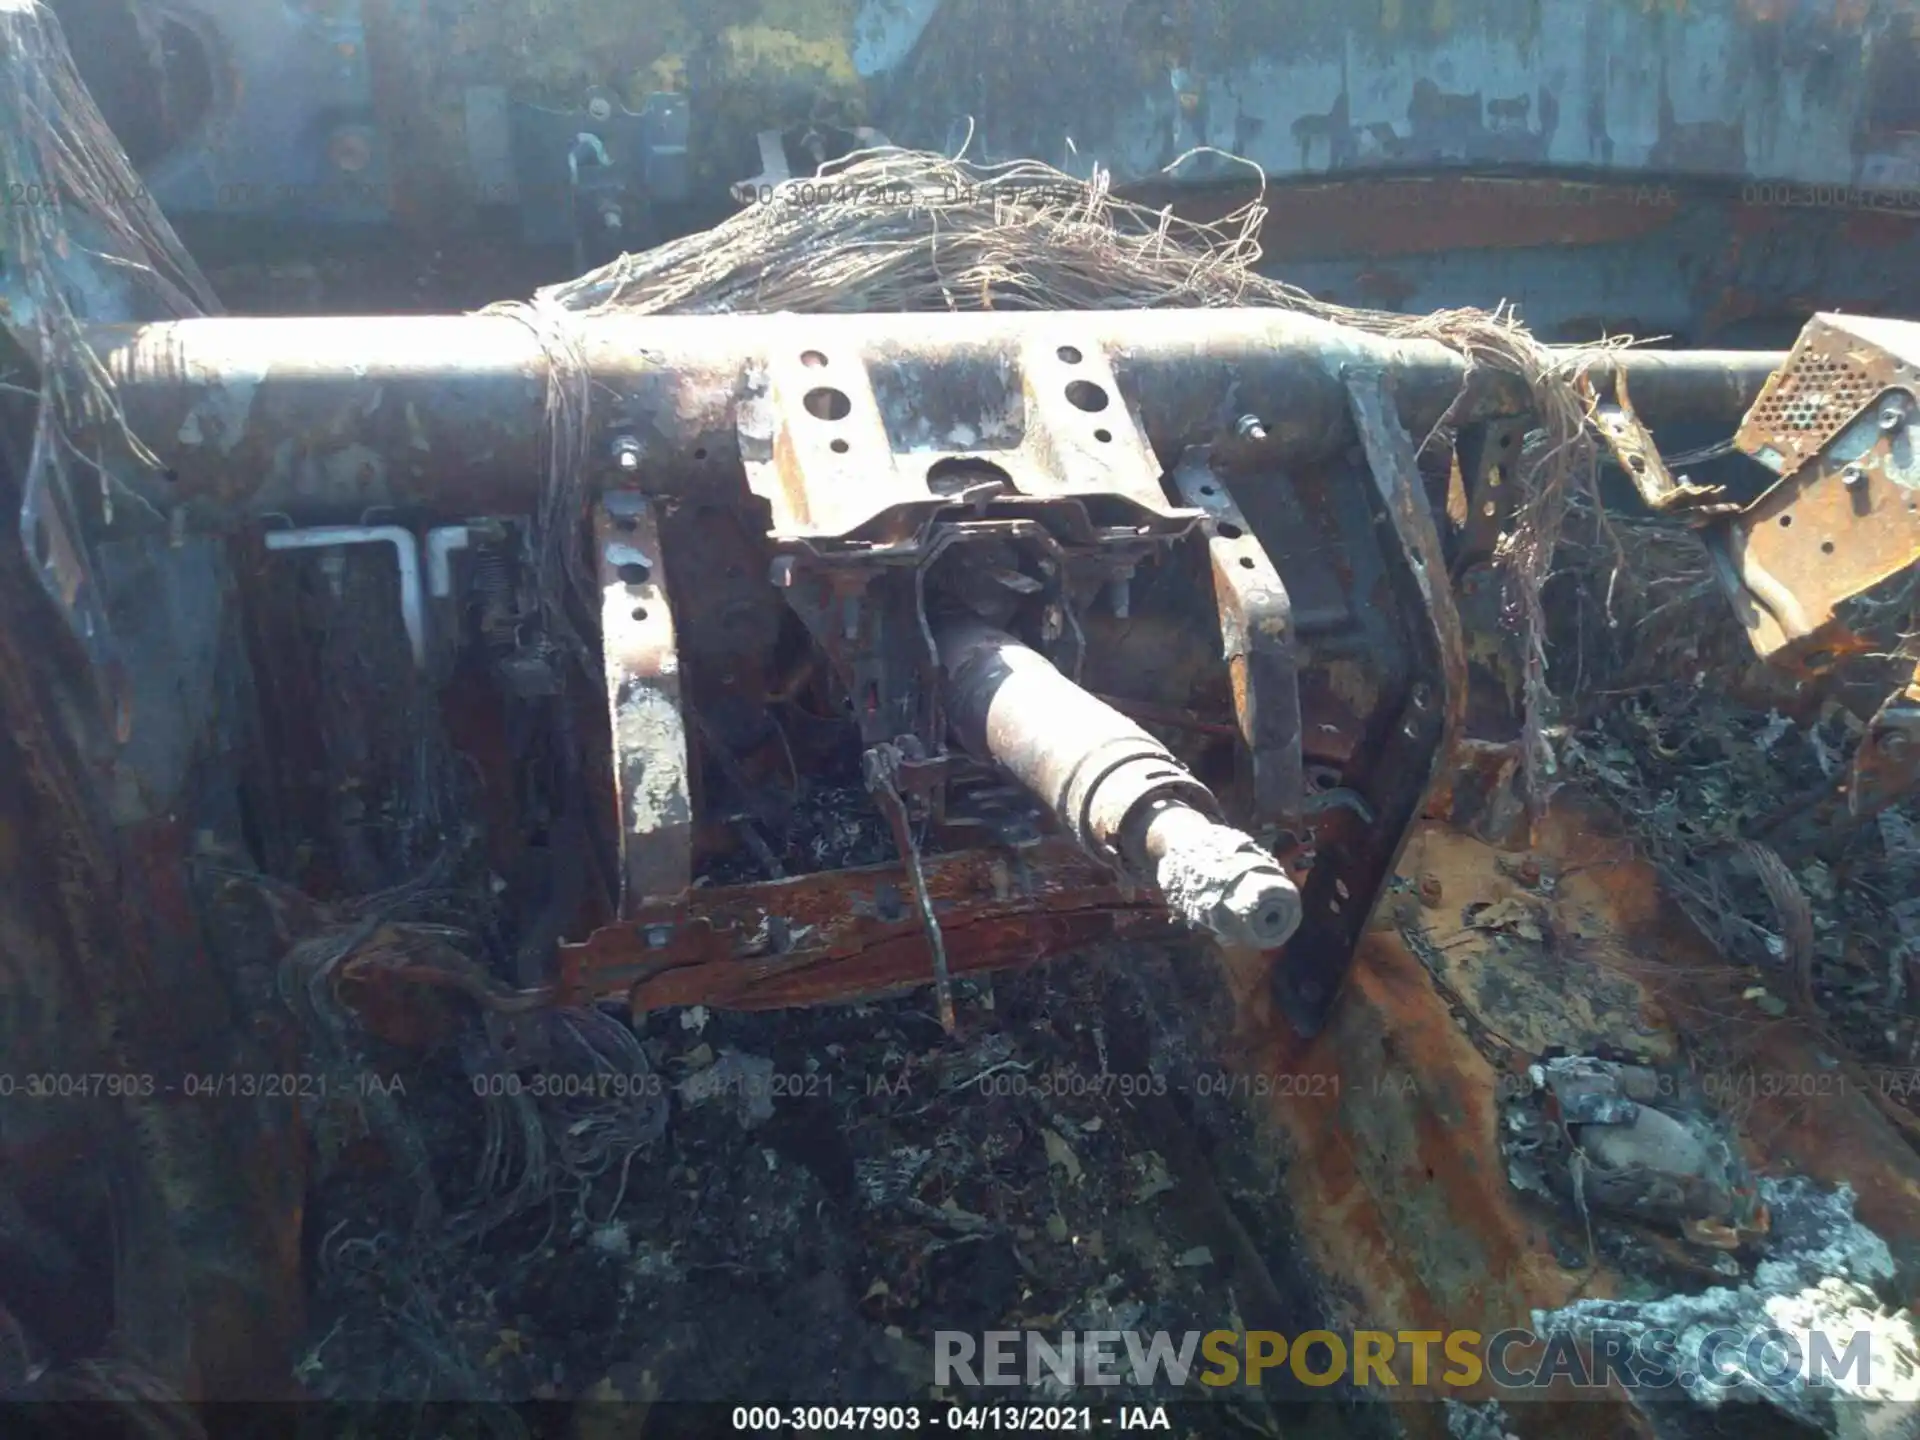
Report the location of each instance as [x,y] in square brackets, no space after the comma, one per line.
[1068,354]
[813,360]
[839,447]
[1637,464]
[626,524]
[1786,521]
[1506,442]
[636,572]
[1826,547]
[1489,510]
[1208,490]
[1230,531]
[1087,396]
[639,612]
[827,403]
[1246,563]
[701,453]
[172,477]
[1103,436]
[1325,780]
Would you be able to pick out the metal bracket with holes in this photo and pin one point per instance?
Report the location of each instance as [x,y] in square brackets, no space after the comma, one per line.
[1837,422]
[1409,759]
[1256,633]
[1488,456]
[1633,449]
[650,760]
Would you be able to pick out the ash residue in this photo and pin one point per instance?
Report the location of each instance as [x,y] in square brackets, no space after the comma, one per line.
[825,827]
[833,1188]
[1590,1136]
[1477,1422]
[1696,778]
[1817,1286]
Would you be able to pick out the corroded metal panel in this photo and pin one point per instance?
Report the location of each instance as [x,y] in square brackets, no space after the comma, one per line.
[650,766]
[348,108]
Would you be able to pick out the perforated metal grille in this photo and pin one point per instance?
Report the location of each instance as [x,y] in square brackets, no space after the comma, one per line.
[1810,401]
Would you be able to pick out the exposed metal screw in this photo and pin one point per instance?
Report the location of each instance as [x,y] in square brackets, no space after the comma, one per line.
[1250,428]
[600,108]
[1853,477]
[626,453]
[1893,418]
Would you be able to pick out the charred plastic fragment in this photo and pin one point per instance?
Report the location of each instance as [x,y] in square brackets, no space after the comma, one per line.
[1112,786]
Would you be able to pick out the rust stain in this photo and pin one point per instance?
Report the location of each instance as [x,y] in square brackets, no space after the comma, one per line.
[1391,1115]
[1353,685]
[1834,1138]
[1390,1121]
[852,934]
[1398,216]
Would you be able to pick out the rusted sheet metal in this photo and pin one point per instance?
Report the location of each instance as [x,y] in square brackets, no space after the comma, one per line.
[838,449]
[1302,88]
[1841,364]
[651,770]
[325,419]
[855,933]
[1692,260]
[1391,1118]
[1297,87]
[816,445]
[1487,457]
[1425,719]
[207,1197]
[1256,633]
[1837,423]
[1385,217]
[1393,1114]
[1636,454]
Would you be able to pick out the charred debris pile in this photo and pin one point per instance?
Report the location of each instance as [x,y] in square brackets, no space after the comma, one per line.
[500,1190]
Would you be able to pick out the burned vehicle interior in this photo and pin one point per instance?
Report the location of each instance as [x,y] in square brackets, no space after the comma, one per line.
[692,692]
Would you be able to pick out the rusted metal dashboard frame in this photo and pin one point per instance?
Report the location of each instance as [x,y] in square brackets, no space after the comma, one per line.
[1837,424]
[1272,455]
